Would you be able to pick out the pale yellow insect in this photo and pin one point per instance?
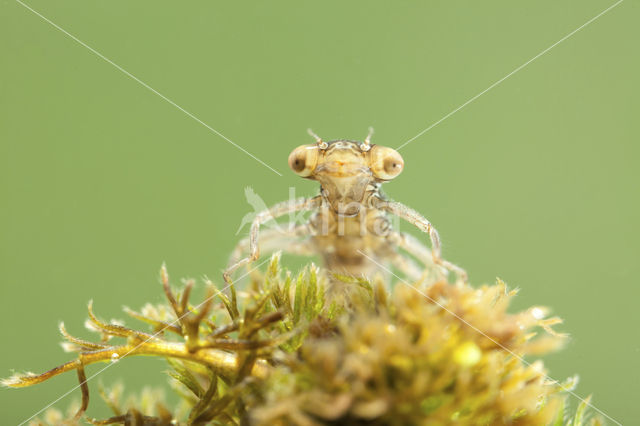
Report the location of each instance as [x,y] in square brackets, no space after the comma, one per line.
[350,227]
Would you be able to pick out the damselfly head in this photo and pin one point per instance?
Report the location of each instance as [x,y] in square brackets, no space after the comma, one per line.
[345,168]
[343,158]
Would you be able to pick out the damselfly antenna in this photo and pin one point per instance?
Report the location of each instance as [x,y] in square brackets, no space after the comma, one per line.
[366,145]
[319,141]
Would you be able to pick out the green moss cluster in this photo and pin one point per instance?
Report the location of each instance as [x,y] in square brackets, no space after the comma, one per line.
[318,350]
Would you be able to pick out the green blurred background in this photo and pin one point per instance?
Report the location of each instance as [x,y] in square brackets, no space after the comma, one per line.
[101,180]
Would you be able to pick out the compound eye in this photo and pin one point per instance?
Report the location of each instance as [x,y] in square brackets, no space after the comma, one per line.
[385,163]
[303,160]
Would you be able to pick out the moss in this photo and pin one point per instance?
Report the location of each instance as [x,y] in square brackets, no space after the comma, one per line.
[288,351]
